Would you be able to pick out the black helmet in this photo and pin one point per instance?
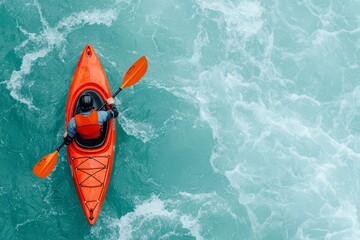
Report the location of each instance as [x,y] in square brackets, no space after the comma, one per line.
[86,102]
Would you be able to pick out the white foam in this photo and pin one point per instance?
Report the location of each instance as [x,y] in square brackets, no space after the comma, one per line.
[141,130]
[198,196]
[152,208]
[150,217]
[48,39]
[124,1]
[339,222]
[19,225]
[79,19]
[241,17]
[201,40]
[192,225]
[17,80]
[296,97]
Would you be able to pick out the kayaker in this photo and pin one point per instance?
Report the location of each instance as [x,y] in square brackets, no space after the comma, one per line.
[88,123]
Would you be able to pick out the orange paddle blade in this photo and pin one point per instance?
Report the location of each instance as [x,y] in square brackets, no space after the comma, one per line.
[135,72]
[44,167]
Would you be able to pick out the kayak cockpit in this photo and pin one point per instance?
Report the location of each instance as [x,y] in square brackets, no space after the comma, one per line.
[98,142]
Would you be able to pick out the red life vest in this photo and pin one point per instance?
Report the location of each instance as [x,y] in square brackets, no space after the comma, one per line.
[88,127]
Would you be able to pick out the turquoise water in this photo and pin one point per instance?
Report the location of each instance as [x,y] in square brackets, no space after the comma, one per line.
[246,125]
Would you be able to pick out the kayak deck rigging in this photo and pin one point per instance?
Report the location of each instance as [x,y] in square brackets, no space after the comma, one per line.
[90,173]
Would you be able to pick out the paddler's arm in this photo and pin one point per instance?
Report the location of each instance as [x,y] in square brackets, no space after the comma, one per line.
[106,115]
[114,112]
[70,133]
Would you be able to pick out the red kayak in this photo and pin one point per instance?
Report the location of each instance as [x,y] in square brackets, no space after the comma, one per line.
[91,161]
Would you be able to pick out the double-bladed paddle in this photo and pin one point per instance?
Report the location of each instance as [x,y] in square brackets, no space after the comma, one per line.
[45,166]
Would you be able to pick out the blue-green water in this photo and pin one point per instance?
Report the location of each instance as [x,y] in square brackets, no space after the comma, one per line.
[246,125]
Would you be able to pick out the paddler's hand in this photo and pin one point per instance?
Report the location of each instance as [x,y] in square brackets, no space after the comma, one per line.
[67,139]
[110,101]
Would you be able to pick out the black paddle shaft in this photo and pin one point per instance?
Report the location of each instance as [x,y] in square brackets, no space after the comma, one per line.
[114,95]
[59,147]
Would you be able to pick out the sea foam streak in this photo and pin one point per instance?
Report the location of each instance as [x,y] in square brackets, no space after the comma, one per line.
[184,214]
[143,131]
[243,18]
[46,41]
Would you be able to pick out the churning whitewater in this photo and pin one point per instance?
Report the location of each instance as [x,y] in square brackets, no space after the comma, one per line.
[246,125]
